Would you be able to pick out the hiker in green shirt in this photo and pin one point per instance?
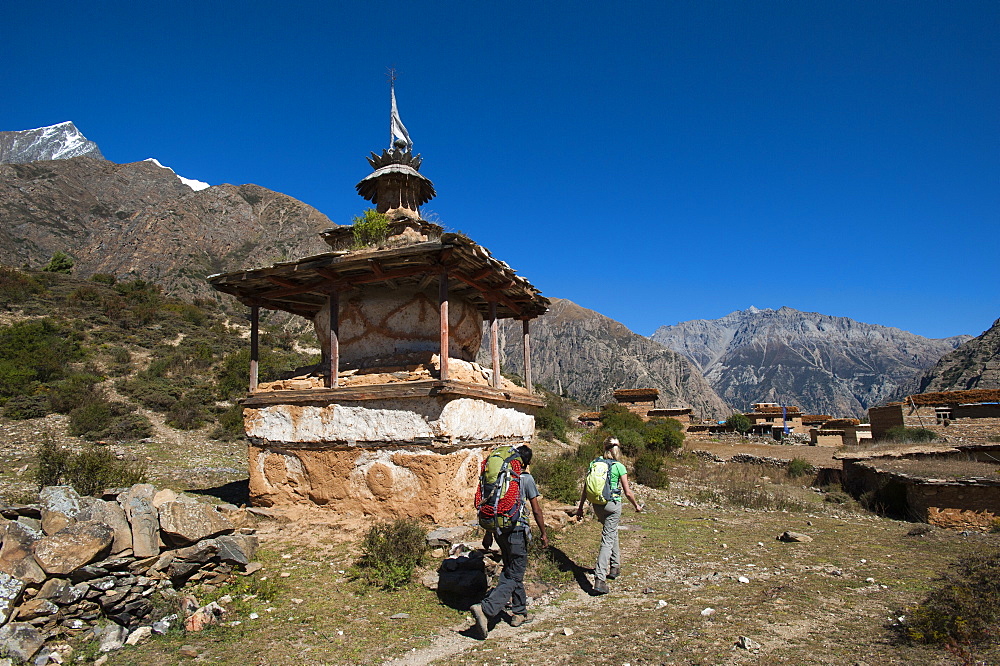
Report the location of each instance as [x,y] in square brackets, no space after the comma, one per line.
[609,511]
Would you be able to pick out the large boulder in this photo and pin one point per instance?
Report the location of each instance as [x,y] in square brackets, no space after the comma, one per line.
[237,548]
[60,507]
[10,593]
[21,640]
[137,502]
[16,557]
[73,547]
[187,522]
[112,515]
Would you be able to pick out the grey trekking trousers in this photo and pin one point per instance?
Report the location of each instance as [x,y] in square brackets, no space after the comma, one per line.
[510,587]
[609,514]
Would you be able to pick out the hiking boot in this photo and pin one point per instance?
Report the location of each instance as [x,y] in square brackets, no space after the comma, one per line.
[600,586]
[518,619]
[613,573]
[482,622]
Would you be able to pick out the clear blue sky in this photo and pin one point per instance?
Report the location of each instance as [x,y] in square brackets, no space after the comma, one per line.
[654,161]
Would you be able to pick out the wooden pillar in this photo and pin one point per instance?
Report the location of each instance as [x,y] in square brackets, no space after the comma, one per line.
[254,345]
[443,305]
[494,347]
[333,303]
[527,356]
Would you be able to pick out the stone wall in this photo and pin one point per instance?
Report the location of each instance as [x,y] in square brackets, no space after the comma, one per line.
[962,504]
[88,567]
[975,423]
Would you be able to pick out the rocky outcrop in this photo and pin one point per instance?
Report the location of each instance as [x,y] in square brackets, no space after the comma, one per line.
[974,365]
[73,582]
[823,364]
[584,355]
[140,221]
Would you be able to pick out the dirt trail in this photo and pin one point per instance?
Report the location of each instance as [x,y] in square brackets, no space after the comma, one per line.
[503,638]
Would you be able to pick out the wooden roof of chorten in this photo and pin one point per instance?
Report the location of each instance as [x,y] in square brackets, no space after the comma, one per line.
[301,286]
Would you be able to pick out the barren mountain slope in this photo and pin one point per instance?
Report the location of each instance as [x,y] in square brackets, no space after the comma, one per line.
[824,364]
[585,355]
[974,365]
[139,220]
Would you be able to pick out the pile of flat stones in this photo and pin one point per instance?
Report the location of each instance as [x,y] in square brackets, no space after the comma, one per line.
[98,568]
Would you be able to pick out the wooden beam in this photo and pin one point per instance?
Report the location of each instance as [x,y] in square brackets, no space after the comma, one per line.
[282,282]
[418,389]
[333,302]
[443,306]
[527,356]
[254,345]
[494,347]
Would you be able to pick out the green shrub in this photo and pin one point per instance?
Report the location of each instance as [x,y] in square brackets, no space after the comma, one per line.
[27,407]
[188,413]
[649,470]
[89,472]
[904,434]
[53,462]
[99,419]
[390,553]
[104,278]
[799,467]
[559,478]
[739,423]
[664,435]
[617,418]
[77,389]
[59,263]
[964,607]
[837,497]
[370,229]
[549,419]
[34,351]
[630,442]
[230,424]
[16,287]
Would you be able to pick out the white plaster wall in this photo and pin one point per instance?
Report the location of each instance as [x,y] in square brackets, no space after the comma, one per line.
[462,419]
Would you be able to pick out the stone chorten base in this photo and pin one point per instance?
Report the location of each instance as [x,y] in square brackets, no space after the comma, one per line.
[409,450]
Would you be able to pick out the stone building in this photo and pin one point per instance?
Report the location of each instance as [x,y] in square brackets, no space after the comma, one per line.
[955,416]
[638,401]
[394,419]
[840,432]
[772,419]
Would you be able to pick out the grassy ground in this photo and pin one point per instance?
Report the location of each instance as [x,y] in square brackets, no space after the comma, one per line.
[830,601]
[833,600]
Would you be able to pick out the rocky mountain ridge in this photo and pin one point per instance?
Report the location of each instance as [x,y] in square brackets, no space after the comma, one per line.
[823,364]
[55,142]
[139,220]
[583,354]
[974,365]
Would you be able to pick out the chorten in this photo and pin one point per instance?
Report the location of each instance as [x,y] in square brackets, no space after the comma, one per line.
[395,419]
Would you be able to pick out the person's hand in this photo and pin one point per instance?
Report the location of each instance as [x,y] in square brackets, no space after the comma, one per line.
[639,508]
[545,540]
[579,513]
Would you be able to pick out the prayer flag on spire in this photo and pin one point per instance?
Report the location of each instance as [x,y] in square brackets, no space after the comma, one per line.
[398,129]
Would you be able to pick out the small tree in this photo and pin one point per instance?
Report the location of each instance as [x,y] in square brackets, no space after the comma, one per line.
[59,263]
[740,423]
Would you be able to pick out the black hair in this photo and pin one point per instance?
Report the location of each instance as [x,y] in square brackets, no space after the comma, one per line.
[526,454]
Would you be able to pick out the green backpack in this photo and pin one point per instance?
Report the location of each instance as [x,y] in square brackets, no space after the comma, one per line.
[598,481]
[498,497]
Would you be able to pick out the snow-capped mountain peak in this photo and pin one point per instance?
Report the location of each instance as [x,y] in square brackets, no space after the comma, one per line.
[195,185]
[55,142]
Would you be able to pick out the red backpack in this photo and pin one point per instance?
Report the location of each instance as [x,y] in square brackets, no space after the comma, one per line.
[498,497]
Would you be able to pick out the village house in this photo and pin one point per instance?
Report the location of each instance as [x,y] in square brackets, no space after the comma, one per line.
[971,416]
[773,420]
[394,420]
[840,432]
[642,403]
